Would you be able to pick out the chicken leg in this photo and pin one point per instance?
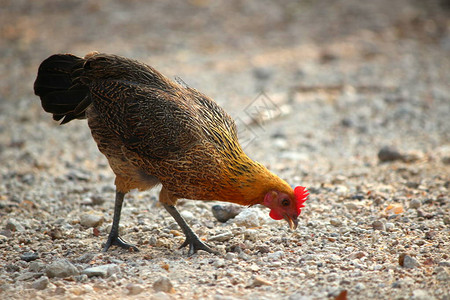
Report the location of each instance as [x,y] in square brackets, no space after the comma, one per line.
[114,238]
[192,239]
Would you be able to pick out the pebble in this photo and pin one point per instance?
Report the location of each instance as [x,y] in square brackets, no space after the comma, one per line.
[86,258]
[219,263]
[389,226]
[262,73]
[224,213]
[407,261]
[251,235]
[187,215]
[14,225]
[378,225]
[251,217]
[29,256]
[421,295]
[442,274]
[259,281]
[163,284]
[339,179]
[26,276]
[134,289]
[36,266]
[61,268]
[91,219]
[415,203]
[230,256]
[388,153]
[102,271]
[352,206]
[341,190]
[221,237]
[276,255]
[446,220]
[336,222]
[41,283]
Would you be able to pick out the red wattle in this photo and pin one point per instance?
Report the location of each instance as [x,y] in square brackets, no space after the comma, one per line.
[275,215]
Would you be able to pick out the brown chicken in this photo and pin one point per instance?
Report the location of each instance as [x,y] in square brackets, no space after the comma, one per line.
[155,131]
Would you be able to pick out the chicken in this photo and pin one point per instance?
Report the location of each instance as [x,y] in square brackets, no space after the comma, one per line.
[155,131]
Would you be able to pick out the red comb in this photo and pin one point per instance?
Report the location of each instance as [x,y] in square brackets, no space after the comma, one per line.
[301,195]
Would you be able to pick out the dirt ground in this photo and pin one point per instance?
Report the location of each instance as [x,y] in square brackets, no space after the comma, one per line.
[348,98]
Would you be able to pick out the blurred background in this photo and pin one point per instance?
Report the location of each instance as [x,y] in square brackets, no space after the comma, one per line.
[232,49]
[349,98]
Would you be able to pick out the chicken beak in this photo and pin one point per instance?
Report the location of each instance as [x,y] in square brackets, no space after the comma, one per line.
[293,223]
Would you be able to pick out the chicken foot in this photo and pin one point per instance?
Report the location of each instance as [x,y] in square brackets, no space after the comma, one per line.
[192,239]
[114,238]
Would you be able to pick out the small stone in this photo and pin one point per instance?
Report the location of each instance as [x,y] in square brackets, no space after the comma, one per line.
[421,295]
[352,206]
[331,278]
[161,296]
[412,156]
[339,179]
[86,258]
[61,268]
[336,222]
[415,203]
[378,225]
[91,219]
[357,255]
[225,212]
[26,276]
[444,263]
[276,255]
[389,226]
[259,281]
[429,235]
[14,225]
[41,283]
[447,220]
[60,290]
[262,73]
[36,266]
[29,256]
[219,263]
[442,275]
[250,217]
[253,268]
[222,237]
[263,249]
[407,261]
[389,154]
[163,284]
[187,215]
[446,160]
[12,268]
[251,235]
[81,278]
[102,271]
[341,190]
[97,200]
[134,289]
[360,286]
[230,256]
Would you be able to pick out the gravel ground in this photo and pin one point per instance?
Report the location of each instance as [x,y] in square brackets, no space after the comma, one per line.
[348,98]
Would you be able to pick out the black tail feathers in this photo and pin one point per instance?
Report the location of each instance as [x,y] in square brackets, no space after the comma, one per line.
[61,93]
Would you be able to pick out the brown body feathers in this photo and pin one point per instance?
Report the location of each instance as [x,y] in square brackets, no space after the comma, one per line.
[153,130]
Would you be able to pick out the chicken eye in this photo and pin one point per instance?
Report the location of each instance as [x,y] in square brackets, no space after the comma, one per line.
[285,202]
